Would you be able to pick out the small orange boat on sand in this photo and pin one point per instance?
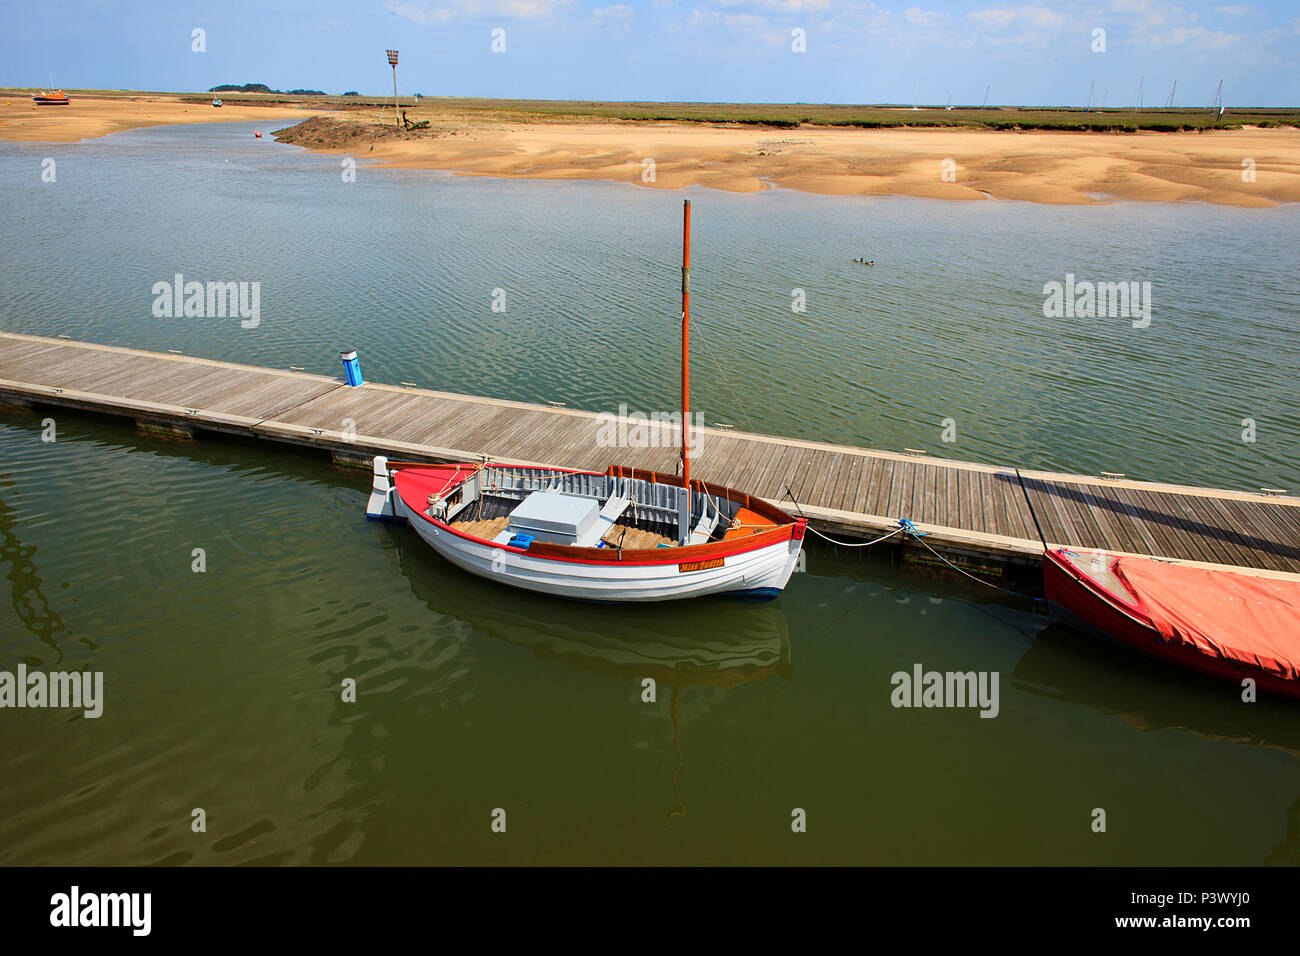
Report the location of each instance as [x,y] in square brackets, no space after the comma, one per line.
[1222,622]
[50,98]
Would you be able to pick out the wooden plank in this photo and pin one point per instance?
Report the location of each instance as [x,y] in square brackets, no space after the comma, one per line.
[825,466]
[866,500]
[921,501]
[952,513]
[900,484]
[1119,525]
[1231,547]
[1172,537]
[1226,519]
[739,463]
[780,471]
[1049,505]
[854,488]
[1017,502]
[1085,516]
[847,481]
[1268,531]
[1003,521]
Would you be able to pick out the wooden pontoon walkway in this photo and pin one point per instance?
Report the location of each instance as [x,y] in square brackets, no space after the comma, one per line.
[971,509]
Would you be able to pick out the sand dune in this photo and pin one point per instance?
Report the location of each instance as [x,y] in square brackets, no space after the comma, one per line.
[1045,167]
[85,117]
[944,163]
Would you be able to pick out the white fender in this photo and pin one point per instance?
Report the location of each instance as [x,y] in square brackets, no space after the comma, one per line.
[380,505]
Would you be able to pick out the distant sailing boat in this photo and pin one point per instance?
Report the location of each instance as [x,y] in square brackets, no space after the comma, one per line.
[622,535]
[50,98]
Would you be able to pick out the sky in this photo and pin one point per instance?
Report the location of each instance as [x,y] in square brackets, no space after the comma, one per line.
[853,51]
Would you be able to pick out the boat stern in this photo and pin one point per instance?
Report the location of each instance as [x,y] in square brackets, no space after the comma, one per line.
[380,506]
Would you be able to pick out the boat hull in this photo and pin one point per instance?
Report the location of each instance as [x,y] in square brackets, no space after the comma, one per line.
[759,573]
[1077,599]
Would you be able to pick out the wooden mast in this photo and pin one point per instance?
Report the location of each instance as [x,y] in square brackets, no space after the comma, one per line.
[686,350]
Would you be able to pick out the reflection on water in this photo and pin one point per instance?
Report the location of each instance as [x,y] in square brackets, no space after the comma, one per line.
[712,642]
[716,642]
[1150,695]
[223,691]
[31,606]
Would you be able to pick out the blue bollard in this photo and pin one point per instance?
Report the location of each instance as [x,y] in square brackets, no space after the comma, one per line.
[351,367]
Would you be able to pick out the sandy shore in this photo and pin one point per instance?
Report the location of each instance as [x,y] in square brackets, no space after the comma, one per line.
[943,163]
[1044,167]
[85,117]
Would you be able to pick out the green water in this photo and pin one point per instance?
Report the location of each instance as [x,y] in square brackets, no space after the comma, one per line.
[223,692]
[223,689]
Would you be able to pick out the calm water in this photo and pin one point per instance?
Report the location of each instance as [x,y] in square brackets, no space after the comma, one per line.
[223,687]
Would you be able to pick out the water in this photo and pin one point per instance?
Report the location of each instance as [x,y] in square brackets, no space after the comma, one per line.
[223,688]
[948,323]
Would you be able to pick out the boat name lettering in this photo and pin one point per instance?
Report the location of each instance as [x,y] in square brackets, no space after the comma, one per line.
[701,565]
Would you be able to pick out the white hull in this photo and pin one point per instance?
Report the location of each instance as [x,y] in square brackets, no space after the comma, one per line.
[761,572]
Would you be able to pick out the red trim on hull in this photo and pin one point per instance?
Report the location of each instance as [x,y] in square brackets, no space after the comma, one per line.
[413,482]
[1069,588]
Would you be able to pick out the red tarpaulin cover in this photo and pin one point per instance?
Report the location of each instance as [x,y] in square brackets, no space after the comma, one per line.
[417,484]
[1251,619]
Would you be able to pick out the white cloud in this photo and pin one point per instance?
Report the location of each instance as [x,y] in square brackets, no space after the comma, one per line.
[741,22]
[443,11]
[620,14]
[923,18]
[1196,38]
[779,6]
[1042,18]
[992,19]
[418,12]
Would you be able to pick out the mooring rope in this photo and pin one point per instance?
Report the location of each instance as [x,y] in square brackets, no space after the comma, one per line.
[904,525]
[854,544]
[995,587]
[842,544]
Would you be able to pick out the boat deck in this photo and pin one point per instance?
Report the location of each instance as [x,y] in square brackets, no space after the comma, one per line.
[620,535]
[965,508]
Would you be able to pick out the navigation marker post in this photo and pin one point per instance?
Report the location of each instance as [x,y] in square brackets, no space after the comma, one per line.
[392,61]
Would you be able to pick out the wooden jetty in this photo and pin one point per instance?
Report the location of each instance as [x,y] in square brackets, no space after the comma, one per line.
[989,516]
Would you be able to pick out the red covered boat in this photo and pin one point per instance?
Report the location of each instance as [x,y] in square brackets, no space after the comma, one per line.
[1222,622]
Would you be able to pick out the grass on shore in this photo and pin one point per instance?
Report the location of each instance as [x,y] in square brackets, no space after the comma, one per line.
[777,115]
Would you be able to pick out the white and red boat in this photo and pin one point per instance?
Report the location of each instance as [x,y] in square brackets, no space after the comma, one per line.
[621,535]
[1222,622]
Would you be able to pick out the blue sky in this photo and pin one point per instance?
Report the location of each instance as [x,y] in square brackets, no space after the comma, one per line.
[697,50]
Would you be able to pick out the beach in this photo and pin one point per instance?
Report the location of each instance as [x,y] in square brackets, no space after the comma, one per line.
[1251,166]
[960,164]
[87,117]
